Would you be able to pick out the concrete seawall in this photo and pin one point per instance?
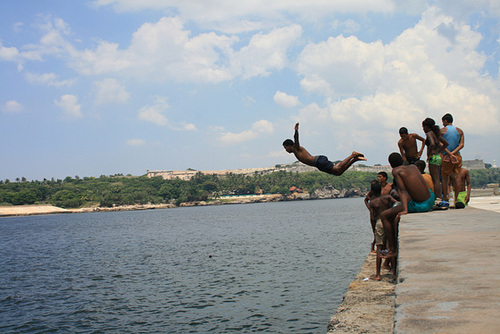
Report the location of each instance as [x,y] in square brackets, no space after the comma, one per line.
[448,277]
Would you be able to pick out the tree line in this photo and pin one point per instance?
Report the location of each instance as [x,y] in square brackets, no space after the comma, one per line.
[117,189]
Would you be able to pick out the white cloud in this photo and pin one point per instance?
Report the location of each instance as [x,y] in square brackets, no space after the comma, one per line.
[49,79]
[12,107]
[258,128]
[265,52]
[8,53]
[69,104]
[189,127]
[286,100]
[161,51]
[347,26]
[155,112]
[222,11]
[400,83]
[136,142]
[110,91]
[165,50]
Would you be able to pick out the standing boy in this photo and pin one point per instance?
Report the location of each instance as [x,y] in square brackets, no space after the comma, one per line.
[408,146]
[378,204]
[452,160]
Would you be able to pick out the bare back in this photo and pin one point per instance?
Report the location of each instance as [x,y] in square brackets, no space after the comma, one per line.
[409,180]
[408,147]
[303,155]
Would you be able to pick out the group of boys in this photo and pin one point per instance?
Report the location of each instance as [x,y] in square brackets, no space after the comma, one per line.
[412,189]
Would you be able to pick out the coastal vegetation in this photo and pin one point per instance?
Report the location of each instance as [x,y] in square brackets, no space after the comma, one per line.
[115,190]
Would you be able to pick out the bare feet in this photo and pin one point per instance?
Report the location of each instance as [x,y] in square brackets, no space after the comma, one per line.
[358,156]
[375,278]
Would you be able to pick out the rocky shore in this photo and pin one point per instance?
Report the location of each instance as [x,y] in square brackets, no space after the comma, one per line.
[368,306]
[43,209]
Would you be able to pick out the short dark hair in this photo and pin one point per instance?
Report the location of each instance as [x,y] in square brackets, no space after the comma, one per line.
[448,118]
[288,142]
[384,174]
[403,131]
[376,187]
[395,159]
[421,165]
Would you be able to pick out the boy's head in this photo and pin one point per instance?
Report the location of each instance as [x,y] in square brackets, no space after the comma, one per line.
[395,159]
[403,132]
[376,188]
[288,145]
[382,177]
[447,119]
[421,165]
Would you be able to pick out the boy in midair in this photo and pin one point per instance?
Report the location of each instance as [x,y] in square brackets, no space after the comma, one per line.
[321,162]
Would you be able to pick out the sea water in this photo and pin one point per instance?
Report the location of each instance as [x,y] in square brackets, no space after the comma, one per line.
[270,267]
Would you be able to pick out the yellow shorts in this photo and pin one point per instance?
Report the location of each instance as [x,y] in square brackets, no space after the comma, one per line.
[379,233]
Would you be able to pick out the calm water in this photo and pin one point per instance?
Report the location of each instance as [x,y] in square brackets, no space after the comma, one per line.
[271,267]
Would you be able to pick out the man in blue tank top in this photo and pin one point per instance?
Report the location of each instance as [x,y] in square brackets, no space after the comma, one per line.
[452,160]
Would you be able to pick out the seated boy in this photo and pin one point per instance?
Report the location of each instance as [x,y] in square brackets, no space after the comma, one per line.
[459,179]
[427,177]
[415,196]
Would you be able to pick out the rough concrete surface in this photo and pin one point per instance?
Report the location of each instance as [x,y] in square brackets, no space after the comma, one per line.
[449,272]
[449,277]
[368,306]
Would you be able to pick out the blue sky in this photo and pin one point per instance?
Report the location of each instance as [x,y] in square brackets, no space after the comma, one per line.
[122,86]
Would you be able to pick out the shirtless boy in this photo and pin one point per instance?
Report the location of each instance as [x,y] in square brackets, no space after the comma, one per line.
[408,146]
[382,179]
[415,196]
[321,162]
[378,204]
[459,179]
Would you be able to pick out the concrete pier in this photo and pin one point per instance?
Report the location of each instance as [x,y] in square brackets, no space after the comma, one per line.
[449,271]
[448,277]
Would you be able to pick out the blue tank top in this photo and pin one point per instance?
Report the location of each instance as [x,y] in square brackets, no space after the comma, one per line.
[452,137]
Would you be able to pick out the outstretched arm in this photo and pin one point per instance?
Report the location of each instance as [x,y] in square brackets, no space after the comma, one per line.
[296,137]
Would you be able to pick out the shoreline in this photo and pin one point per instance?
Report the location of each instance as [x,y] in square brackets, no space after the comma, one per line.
[46,209]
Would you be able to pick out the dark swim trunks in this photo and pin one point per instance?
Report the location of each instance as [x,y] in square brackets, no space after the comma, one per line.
[411,160]
[322,163]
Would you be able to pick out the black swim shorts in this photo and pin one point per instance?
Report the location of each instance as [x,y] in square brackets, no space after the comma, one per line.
[322,163]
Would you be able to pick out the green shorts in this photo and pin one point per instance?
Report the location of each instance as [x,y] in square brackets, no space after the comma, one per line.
[461,197]
[435,160]
[424,206]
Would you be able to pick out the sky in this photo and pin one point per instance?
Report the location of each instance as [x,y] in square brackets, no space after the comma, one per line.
[104,87]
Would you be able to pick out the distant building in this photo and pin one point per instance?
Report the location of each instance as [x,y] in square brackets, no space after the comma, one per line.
[473,164]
